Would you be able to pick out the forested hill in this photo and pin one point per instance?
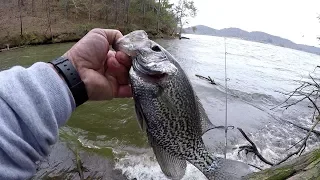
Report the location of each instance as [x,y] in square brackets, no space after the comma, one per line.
[251,36]
[42,21]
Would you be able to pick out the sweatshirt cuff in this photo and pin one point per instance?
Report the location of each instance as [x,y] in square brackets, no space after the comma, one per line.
[57,91]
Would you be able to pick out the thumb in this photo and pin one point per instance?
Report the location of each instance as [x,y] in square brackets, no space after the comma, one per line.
[98,86]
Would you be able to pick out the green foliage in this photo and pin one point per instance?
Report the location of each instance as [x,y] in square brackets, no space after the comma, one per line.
[145,14]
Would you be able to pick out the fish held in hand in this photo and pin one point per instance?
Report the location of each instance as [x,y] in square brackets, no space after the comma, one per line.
[170,113]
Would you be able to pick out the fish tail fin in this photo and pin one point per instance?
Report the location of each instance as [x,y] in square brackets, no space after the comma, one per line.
[226,169]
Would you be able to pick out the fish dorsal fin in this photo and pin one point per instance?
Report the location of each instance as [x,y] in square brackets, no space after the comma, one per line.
[206,125]
[171,166]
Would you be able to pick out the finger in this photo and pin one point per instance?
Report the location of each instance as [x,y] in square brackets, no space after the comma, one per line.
[117,70]
[124,59]
[111,53]
[112,35]
[109,56]
[124,91]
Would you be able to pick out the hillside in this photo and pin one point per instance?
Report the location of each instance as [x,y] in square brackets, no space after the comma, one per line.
[255,36]
[25,22]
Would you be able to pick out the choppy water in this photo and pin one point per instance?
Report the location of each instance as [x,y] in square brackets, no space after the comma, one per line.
[256,71]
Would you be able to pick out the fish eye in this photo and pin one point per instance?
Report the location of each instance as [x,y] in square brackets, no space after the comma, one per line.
[156,48]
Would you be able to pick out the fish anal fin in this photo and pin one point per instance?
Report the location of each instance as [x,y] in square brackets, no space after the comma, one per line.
[171,166]
[221,168]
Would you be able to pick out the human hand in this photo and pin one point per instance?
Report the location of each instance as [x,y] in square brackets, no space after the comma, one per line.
[104,72]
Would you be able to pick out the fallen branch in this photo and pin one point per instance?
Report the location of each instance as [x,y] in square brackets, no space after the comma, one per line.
[254,148]
[256,167]
[207,78]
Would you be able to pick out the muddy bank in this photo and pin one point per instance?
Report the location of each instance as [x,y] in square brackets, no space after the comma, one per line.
[62,164]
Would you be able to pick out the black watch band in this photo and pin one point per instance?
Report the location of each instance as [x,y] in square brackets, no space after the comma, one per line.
[72,78]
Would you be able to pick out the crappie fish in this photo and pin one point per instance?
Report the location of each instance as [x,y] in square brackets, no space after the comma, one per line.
[170,112]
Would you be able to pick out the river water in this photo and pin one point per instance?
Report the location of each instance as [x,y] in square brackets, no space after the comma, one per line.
[256,73]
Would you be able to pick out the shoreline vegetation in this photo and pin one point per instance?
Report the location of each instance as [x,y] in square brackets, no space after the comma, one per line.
[37,22]
[34,39]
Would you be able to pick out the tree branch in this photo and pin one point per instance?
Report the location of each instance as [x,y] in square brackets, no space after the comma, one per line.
[254,148]
[207,78]
[303,146]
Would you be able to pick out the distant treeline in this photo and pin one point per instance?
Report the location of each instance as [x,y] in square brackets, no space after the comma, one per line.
[45,21]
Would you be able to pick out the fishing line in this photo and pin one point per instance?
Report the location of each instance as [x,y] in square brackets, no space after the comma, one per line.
[226,91]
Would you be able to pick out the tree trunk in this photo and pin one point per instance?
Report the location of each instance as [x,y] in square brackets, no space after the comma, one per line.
[67,9]
[127,11]
[106,5]
[144,12]
[158,17]
[116,11]
[20,15]
[90,10]
[48,5]
[306,166]
[32,7]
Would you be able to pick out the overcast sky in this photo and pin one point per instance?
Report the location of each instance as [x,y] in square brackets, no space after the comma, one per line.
[292,19]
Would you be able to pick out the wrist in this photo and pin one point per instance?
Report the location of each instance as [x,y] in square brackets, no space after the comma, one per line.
[56,71]
[66,70]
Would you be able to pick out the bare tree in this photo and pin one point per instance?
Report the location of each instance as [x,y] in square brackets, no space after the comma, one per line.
[67,8]
[127,5]
[184,10]
[32,7]
[158,16]
[48,9]
[76,4]
[20,4]
[88,4]
[116,15]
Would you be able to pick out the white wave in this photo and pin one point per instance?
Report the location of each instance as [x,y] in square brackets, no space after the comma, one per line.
[145,166]
[273,143]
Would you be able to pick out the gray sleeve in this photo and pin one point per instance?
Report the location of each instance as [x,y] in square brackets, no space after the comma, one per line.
[34,103]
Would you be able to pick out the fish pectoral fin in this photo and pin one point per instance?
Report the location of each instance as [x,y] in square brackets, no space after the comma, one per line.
[140,116]
[206,124]
[162,97]
[171,166]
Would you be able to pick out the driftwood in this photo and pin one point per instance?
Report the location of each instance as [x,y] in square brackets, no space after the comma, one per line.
[181,37]
[211,81]
[253,148]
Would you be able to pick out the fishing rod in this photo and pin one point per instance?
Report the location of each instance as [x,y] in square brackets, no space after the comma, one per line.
[226,91]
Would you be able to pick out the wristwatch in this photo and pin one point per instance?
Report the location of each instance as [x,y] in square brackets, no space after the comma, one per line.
[72,78]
